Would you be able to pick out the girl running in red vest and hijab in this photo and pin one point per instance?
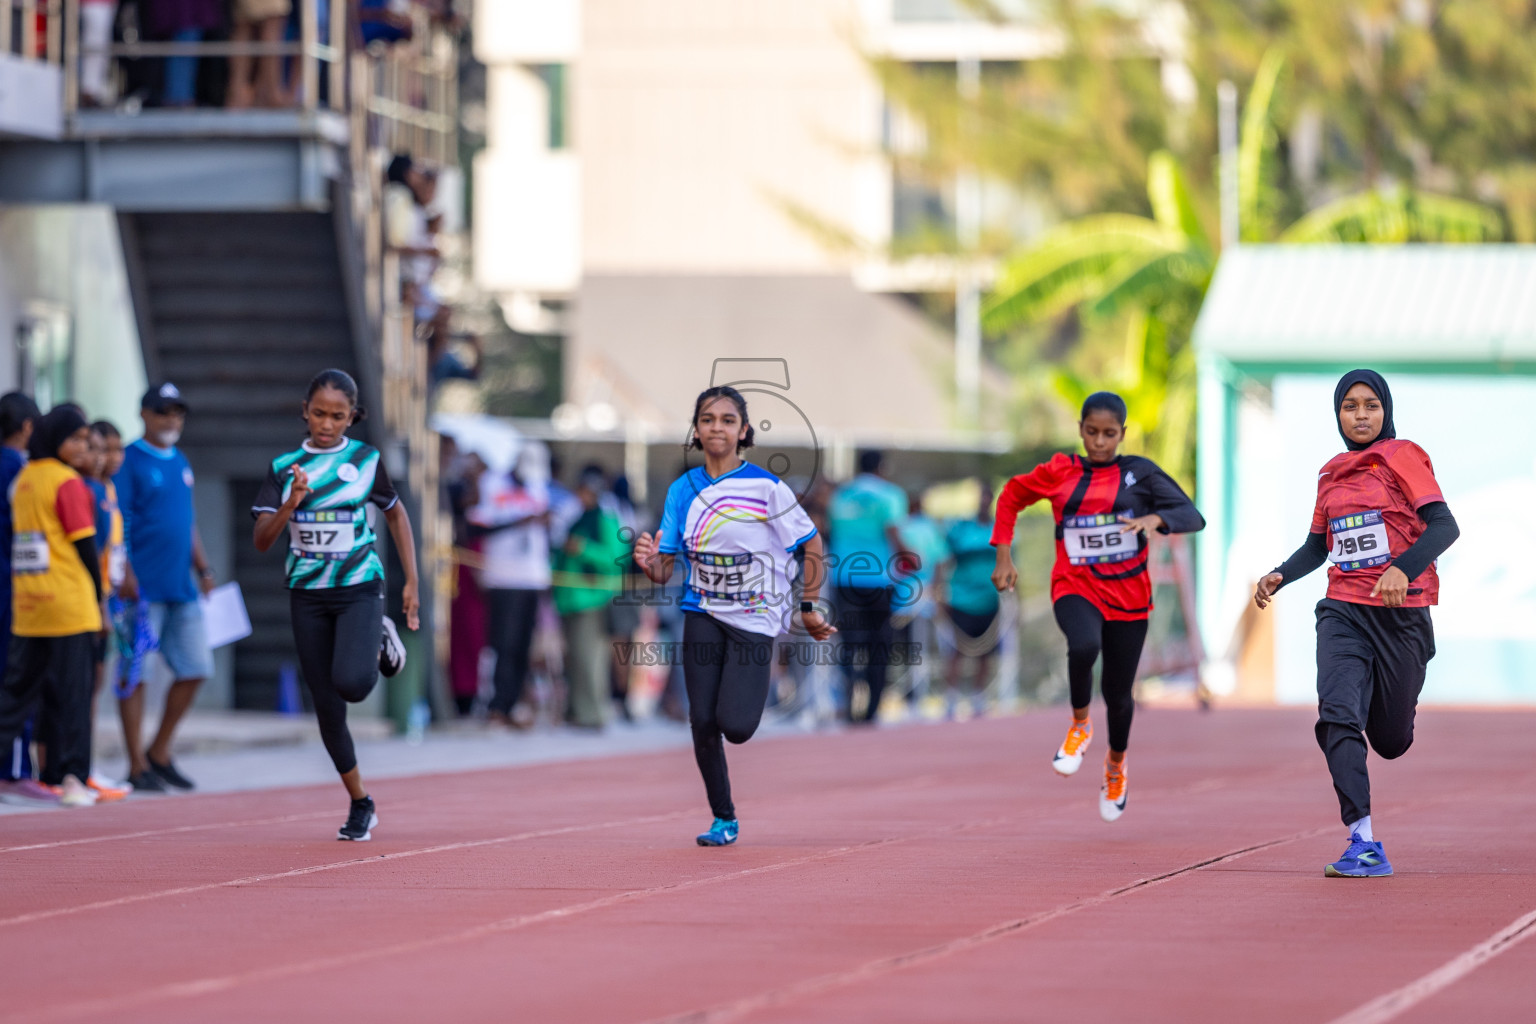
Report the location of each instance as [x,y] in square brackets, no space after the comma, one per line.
[1105,505]
[1381,521]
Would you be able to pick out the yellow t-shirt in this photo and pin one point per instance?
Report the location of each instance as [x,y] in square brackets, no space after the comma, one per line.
[52,591]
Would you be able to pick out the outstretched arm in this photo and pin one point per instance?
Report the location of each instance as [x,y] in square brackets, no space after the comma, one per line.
[1018,494]
[405,546]
[1312,553]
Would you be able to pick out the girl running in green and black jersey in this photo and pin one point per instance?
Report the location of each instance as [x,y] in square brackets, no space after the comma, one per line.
[319,493]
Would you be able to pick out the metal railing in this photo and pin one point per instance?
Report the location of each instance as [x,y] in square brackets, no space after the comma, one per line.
[410,95]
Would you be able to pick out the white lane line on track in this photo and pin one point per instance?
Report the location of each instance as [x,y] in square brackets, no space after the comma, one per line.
[1385,1007]
[902,785]
[887,965]
[172,830]
[313,869]
[205,986]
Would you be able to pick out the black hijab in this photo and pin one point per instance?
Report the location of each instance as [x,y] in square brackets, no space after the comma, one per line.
[54,429]
[1377,383]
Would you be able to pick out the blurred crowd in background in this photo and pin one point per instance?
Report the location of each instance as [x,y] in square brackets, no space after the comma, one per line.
[551,621]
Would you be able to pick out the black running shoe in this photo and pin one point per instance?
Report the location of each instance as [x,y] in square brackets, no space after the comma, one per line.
[360,820]
[391,650]
[147,781]
[169,774]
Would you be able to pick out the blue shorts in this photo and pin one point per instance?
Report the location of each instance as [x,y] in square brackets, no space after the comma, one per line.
[183,641]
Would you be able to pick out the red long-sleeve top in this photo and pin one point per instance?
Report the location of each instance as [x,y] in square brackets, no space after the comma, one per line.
[1103,566]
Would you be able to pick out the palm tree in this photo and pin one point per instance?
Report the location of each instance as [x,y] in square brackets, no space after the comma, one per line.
[1150,274]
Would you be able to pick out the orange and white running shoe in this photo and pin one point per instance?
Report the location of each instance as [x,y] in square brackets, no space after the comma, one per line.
[1112,796]
[1070,757]
[108,790]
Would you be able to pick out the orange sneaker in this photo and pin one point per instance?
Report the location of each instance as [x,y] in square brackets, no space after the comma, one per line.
[1112,796]
[107,790]
[1070,757]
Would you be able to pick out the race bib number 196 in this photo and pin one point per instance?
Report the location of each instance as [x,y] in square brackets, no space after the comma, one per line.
[1094,540]
[1359,541]
[328,535]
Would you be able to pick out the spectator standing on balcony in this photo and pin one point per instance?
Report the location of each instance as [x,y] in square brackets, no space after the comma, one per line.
[154,490]
[96,17]
[181,21]
[512,517]
[263,21]
[18,416]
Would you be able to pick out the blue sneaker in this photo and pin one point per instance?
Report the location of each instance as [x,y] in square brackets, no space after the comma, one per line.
[1361,860]
[721,833]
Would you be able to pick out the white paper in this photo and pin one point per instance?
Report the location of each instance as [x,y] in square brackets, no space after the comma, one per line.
[224,616]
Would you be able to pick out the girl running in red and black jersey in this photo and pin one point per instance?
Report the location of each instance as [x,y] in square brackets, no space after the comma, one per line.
[1381,520]
[1105,504]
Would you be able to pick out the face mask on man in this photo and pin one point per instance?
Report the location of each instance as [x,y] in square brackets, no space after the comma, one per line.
[166,438]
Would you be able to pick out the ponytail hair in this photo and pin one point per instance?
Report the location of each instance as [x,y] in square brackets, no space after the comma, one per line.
[339,380]
[709,395]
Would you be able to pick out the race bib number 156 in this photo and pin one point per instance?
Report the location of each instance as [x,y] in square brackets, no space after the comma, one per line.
[1094,540]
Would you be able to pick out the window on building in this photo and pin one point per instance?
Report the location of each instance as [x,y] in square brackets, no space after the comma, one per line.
[555,78]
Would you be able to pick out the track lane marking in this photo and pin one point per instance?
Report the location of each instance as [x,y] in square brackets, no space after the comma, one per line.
[887,965]
[207,985]
[1399,1000]
[314,869]
[922,781]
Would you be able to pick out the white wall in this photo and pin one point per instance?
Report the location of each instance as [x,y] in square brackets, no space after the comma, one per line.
[1486,644]
[697,121]
[71,257]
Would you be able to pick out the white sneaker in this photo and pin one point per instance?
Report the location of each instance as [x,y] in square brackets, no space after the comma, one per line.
[74,793]
[391,650]
[1070,757]
[1112,796]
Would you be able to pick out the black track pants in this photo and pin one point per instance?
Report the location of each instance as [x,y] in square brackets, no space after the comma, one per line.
[864,620]
[726,671]
[338,631]
[1088,635]
[1370,670]
[511,616]
[56,672]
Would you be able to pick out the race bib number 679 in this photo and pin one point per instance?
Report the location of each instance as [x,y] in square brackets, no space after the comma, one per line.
[1359,541]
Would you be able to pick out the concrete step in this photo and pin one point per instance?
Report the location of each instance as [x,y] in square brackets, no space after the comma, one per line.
[272,306]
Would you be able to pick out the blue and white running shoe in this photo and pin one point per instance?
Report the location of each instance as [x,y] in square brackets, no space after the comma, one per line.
[721,833]
[1361,860]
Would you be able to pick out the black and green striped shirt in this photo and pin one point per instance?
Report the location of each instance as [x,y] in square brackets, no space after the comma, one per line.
[330,542]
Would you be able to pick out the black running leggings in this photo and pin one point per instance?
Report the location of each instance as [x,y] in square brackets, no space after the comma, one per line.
[726,671]
[338,631]
[1088,634]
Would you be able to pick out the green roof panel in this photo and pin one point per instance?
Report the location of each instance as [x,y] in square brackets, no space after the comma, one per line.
[1404,303]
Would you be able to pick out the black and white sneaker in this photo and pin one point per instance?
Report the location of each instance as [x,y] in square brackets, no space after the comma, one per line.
[170,774]
[360,820]
[391,650]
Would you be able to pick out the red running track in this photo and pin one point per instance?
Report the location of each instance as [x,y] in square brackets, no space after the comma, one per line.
[935,873]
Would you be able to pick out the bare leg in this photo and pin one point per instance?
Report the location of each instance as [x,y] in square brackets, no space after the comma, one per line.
[131,709]
[269,68]
[239,91]
[353,780]
[177,700]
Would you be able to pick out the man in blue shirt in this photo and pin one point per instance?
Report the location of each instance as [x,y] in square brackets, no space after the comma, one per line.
[154,493]
[869,561]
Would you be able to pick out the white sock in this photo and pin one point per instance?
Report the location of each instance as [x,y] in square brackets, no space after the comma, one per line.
[1361,830]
